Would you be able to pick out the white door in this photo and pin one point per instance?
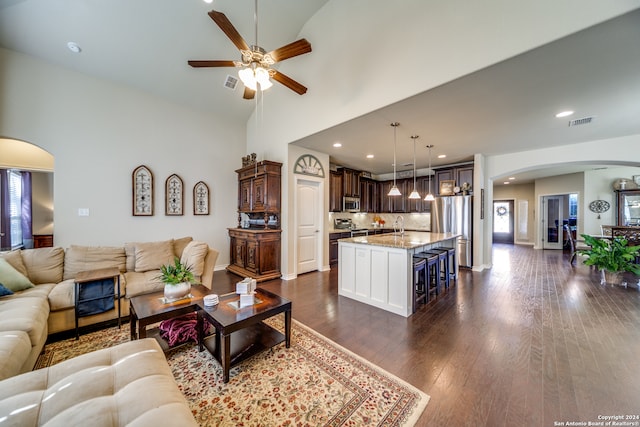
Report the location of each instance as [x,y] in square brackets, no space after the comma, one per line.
[308,223]
[552,222]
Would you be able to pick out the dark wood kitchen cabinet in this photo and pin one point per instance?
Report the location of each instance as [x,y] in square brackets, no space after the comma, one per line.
[369,197]
[350,183]
[394,204]
[459,175]
[333,246]
[463,175]
[335,191]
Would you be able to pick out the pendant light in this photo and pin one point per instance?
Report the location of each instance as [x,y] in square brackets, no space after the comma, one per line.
[429,197]
[394,190]
[414,194]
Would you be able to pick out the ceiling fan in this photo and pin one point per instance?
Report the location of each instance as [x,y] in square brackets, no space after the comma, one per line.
[255,66]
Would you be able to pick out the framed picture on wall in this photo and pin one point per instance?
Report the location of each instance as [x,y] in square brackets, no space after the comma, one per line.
[142,191]
[446,187]
[174,195]
[201,199]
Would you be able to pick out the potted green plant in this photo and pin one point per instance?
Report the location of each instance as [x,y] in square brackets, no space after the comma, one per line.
[177,278]
[612,257]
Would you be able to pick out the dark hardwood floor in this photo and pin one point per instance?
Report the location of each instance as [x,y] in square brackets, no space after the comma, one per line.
[532,341]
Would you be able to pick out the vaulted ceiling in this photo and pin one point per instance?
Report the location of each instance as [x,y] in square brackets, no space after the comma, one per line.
[509,106]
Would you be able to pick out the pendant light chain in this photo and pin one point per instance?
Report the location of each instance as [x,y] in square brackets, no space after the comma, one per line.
[255,20]
[394,190]
[414,194]
[429,197]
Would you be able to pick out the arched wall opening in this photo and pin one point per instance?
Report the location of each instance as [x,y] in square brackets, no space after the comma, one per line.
[26,157]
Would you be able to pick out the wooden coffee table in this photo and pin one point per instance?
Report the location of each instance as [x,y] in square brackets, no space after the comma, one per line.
[240,332]
[147,309]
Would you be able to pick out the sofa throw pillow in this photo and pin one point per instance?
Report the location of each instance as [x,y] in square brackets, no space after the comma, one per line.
[4,291]
[85,258]
[193,256]
[180,244]
[153,255]
[45,265]
[12,279]
[15,259]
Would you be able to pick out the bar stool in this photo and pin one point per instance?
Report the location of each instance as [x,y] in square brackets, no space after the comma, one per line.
[432,272]
[443,261]
[453,267]
[420,294]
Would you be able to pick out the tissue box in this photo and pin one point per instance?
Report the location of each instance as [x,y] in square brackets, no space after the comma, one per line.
[246,300]
[244,287]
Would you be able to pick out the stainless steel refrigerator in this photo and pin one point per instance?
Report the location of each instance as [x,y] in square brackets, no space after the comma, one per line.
[454,214]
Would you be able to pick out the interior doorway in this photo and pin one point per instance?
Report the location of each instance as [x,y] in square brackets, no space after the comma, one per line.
[503,221]
[552,221]
[308,225]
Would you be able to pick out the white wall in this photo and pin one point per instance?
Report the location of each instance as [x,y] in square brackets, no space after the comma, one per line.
[42,202]
[99,132]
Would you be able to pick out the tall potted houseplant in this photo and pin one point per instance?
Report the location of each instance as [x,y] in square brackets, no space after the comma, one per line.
[177,278]
[612,257]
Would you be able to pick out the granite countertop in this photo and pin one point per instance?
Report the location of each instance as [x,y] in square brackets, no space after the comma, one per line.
[410,240]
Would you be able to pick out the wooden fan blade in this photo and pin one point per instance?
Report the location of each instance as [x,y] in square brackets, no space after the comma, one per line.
[227,27]
[296,48]
[289,82]
[213,63]
[248,93]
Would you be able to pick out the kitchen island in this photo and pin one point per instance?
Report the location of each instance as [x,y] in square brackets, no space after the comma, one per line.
[378,270]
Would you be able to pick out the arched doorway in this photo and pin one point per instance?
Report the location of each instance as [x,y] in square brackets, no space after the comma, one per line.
[26,195]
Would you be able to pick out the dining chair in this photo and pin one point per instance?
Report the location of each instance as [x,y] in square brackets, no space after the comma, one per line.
[576,245]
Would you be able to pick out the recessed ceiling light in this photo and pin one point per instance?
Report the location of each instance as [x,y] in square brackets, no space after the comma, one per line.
[511,178]
[506,183]
[337,144]
[442,156]
[369,156]
[564,114]
[208,1]
[73,47]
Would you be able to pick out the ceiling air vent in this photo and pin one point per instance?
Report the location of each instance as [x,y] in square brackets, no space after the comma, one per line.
[231,82]
[582,121]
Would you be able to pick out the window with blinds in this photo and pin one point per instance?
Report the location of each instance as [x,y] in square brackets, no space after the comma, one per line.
[15,207]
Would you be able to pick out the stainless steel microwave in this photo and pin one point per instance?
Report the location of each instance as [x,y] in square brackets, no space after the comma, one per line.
[351,204]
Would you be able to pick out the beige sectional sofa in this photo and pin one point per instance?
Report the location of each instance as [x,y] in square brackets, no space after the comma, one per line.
[28,316]
[130,384]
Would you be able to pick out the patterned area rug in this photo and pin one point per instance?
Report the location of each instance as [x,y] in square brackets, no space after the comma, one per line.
[314,383]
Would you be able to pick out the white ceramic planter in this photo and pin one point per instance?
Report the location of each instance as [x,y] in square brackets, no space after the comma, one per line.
[175,292]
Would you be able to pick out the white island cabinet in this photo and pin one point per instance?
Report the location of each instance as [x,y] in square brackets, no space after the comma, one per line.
[378,270]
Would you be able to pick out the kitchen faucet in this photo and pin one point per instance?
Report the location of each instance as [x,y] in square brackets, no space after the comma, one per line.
[400,219]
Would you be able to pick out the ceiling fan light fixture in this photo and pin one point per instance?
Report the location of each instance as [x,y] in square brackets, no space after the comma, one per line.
[251,78]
